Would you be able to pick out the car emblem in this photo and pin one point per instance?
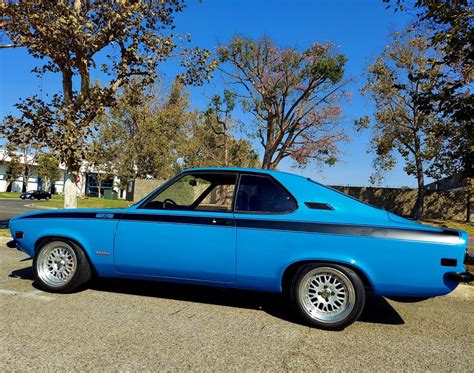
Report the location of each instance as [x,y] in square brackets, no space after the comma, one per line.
[104,216]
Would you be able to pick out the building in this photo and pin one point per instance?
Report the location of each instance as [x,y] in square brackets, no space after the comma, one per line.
[454,182]
[85,182]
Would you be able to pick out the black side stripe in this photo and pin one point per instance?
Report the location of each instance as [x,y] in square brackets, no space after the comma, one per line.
[446,235]
[63,215]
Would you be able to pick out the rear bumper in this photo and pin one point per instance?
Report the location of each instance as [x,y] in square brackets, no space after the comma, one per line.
[460,276]
[463,276]
[12,244]
[468,260]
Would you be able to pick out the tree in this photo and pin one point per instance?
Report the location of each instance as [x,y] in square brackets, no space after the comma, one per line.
[47,168]
[450,27]
[292,95]
[219,120]
[163,136]
[76,39]
[144,132]
[211,142]
[28,155]
[206,149]
[395,81]
[13,165]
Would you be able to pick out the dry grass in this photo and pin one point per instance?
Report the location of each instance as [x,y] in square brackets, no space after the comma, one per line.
[5,233]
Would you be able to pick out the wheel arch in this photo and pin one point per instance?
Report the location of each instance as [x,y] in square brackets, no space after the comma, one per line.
[290,271]
[40,241]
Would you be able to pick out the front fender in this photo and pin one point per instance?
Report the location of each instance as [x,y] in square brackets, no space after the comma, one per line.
[95,236]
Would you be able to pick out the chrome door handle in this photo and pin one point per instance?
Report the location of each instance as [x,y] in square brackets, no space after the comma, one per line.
[221,221]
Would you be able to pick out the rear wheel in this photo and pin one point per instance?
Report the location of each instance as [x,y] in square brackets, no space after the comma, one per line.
[328,296]
[60,266]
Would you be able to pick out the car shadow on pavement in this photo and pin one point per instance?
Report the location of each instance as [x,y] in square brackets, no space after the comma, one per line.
[23,273]
[377,309]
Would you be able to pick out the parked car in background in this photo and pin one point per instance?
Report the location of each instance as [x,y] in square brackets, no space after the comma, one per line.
[249,229]
[36,194]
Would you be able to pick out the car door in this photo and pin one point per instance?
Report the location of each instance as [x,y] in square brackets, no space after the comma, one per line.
[185,230]
[262,209]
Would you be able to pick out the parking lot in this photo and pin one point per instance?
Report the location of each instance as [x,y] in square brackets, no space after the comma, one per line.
[11,207]
[127,325]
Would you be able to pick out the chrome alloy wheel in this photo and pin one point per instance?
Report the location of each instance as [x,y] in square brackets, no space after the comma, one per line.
[56,264]
[326,294]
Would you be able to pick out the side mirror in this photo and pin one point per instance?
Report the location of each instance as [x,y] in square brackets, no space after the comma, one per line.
[193,182]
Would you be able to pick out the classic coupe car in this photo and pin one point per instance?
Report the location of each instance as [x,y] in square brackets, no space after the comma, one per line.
[249,229]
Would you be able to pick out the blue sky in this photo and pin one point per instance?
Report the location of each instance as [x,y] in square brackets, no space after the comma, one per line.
[359,28]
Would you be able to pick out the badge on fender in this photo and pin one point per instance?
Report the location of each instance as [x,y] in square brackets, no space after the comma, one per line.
[104,216]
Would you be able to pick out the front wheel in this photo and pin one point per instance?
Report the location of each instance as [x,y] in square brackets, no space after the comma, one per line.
[60,266]
[328,296]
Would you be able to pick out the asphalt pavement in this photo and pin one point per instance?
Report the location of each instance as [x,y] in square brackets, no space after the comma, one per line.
[10,207]
[118,325]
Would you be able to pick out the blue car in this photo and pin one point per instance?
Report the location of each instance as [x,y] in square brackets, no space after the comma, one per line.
[249,229]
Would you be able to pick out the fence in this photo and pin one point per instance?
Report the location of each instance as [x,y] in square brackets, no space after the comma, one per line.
[439,204]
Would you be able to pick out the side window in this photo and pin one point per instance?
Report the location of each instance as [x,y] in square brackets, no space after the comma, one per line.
[218,199]
[200,192]
[262,194]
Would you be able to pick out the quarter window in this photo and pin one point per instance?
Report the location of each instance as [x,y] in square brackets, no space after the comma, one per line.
[262,195]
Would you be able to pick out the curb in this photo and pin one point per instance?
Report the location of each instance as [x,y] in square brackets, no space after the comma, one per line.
[41,207]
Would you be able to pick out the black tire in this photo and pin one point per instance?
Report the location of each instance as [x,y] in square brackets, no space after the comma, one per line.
[32,198]
[311,287]
[78,279]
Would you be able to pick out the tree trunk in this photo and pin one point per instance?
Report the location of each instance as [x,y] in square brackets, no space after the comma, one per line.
[70,191]
[267,160]
[26,178]
[470,200]
[47,185]
[226,151]
[99,183]
[420,200]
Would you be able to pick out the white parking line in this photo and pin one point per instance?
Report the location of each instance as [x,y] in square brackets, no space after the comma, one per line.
[34,294]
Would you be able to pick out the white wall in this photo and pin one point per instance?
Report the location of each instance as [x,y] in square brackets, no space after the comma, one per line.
[17,185]
[3,183]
